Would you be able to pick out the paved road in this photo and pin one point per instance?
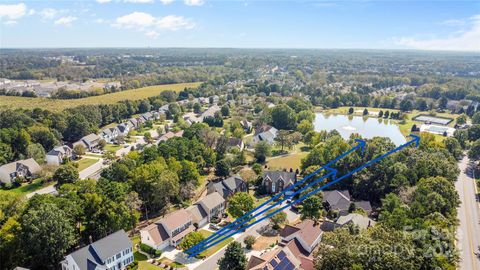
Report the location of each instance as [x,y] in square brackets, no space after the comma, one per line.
[468,233]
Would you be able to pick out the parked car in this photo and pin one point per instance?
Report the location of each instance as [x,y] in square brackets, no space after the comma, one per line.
[214,227]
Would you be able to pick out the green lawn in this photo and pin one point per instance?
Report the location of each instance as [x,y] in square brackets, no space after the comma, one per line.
[28,188]
[143,265]
[112,147]
[215,248]
[137,256]
[85,163]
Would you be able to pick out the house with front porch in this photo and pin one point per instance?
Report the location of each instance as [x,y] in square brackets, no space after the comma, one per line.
[25,168]
[58,155]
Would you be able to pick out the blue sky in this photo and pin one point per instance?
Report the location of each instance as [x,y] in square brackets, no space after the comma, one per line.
[426,25]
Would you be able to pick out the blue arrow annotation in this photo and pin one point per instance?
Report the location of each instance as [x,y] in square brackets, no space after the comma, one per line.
[247,216]
[240,223]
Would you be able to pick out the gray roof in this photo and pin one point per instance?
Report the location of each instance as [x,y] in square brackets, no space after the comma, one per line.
[197,212]
[94,254]
[227,186]
[357,219]
[288,177]
[337,199]
[211,201]
[91,138]
[365,205]
[59,149]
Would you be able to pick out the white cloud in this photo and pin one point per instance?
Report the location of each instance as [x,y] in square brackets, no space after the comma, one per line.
[139,1]
[134,20]
[67,20]
[453,22]
[103,1]
[194,2]
[172,22]
[467,39]
[150,25]
[152,34]
[10,13]
[100,20]
[49,13]
[166,2]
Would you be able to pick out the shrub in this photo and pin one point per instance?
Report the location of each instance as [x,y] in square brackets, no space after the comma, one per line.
[148,249]
[249,241]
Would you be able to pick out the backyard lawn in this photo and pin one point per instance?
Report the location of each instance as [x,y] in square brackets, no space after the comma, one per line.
[293,161]
[215,248]
[85,163]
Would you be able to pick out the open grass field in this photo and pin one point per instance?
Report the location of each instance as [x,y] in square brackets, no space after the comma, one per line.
[61,104]
[215,248]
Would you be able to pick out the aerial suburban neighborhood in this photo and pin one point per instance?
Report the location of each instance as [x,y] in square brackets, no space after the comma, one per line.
[239,135]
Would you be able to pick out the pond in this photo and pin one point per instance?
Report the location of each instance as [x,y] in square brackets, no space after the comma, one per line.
[367,127]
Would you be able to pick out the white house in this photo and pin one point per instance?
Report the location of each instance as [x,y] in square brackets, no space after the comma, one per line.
[114,252]
[109,134]
[57,155]
[169,231]
[265,133]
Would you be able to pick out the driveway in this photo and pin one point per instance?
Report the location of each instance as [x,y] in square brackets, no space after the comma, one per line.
[468,233]
[46,190]
[91,170]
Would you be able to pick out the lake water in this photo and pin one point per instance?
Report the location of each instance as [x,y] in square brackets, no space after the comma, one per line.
[367,127]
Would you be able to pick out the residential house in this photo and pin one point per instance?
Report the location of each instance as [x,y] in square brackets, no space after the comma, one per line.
[58,155]
[198,214]
[214,99]
[124,128]
[227,187]
[26,168]
[307,232]
[169,135]
[247,126]
[89,142]
[340,200]
[147,116]
[134,122]
[265,133]
[169,231]
[109,134]
[213,204]
[361,221]
[114,252]
[290,257]
[276,181]
[210,112]
[235,143]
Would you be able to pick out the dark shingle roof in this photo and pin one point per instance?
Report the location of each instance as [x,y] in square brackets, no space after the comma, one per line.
[94,254]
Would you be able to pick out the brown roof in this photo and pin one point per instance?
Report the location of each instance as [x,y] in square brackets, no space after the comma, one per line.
[176,219]
[308,231]
[296,248]
[254,261]
[288,230]
[157,233]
